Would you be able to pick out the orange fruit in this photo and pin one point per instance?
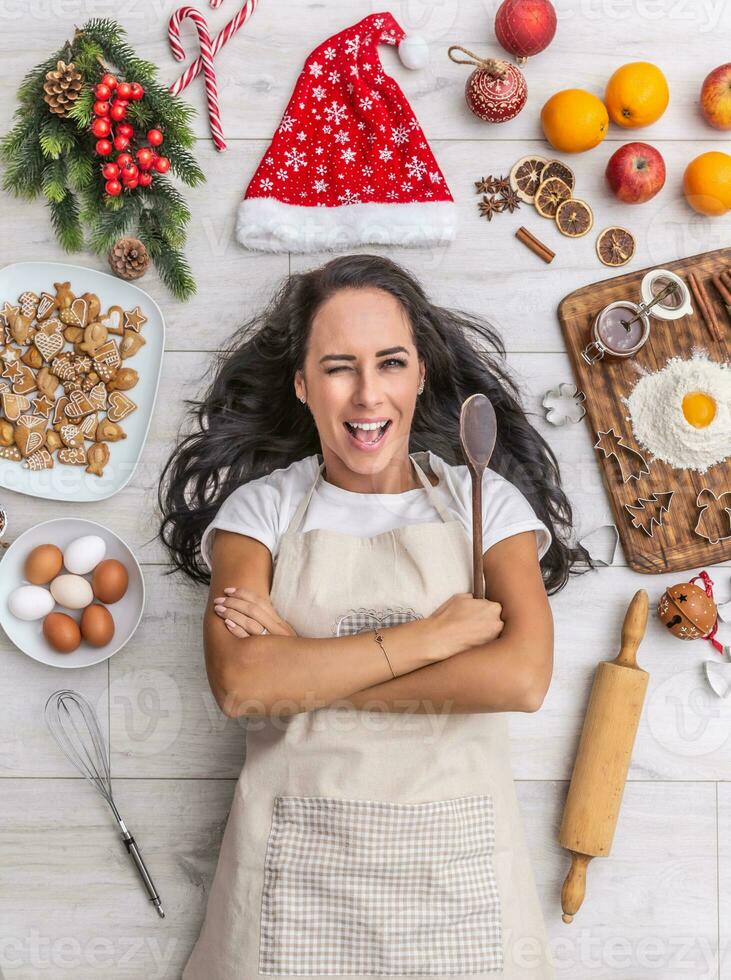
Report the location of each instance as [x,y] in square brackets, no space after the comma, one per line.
[574,120]
[707,183]
[637,94]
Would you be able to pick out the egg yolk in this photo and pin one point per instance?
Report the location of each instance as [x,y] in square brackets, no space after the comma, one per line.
[699,409]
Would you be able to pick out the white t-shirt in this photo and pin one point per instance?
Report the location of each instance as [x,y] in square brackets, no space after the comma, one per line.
[263,508]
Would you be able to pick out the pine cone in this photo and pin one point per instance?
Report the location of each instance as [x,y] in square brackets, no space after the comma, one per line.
[62,88]
[128,258]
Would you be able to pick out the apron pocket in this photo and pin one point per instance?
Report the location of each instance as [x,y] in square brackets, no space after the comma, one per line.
[380,889]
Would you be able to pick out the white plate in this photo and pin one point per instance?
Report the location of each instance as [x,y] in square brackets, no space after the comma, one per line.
[28,637]
[64,482]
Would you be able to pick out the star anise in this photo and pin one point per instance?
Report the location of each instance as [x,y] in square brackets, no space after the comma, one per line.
[511,199]
[502,184]
[491,205]
[488,185]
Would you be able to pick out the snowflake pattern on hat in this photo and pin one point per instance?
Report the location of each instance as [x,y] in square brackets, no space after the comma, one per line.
[348,141]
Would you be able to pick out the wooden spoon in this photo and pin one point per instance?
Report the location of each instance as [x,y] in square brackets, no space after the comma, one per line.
[477,434]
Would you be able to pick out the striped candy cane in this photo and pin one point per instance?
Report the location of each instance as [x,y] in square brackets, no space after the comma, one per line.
[223,37]
[209,71]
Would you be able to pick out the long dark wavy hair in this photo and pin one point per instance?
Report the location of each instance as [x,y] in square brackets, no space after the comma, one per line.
[250,421]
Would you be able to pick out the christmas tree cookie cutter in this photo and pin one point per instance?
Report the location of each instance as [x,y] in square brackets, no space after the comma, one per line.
[658,499]
[703,517]
[632,465]
[564,403]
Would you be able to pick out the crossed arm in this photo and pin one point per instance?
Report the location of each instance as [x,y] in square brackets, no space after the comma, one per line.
[510,673]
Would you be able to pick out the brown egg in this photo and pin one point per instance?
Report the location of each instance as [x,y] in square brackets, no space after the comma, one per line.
[109,580]
[43,564]
[62,632]
[97,625]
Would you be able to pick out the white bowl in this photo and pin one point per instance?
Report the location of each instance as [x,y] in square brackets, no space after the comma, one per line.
[65,482]
[29,637]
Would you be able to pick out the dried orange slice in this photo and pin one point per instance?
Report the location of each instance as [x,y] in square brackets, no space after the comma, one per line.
[574,218]
[615,246]
[549,195]
[526,176]
[557,168]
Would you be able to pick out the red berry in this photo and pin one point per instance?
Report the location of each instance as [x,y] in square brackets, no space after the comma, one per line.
[145,157]
[121,142]
[101,127]
[145,178]
[109,80]
[113,187]
[136,92]
[154,137]
[125,129]
[162,165]
[101,108]
[129,172]
[110,171]
[124,158]
[104,148]
[102,92]
[124,102]
[130,185]
[118,112]
[124,90]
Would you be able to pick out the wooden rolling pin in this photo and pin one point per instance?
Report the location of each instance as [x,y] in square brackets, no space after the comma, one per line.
[603,757]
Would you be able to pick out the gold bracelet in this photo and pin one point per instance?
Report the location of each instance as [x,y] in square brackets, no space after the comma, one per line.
[379,639]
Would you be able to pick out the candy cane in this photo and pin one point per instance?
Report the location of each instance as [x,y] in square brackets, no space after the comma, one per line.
[209,71]
[194,69]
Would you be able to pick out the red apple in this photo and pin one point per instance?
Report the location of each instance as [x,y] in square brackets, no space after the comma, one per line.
[635,172]
[716,97]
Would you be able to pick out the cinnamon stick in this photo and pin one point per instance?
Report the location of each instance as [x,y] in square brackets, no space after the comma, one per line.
[535,244]
[723,290]
[705,306]
[726,278]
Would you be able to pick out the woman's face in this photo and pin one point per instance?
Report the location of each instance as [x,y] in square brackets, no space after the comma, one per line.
[361,367]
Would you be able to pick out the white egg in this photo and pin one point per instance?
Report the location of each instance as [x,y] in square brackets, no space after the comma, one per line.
[30,602]
[71,591]
[84,554]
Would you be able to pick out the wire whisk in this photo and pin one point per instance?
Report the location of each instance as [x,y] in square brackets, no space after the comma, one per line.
[73,723]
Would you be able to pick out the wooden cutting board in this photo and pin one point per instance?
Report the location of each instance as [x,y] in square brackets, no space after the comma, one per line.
[674,545]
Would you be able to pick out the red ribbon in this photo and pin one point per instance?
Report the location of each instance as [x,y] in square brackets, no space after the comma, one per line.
[708,587]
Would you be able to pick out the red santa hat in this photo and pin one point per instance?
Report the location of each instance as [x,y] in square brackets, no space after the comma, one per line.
[348,163]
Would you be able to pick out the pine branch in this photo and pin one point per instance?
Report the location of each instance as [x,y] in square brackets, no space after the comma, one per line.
[53,181]
[82,111]
[170,262]
[113,222]
[184,166]
[55,139]
[66,224]
[80,169]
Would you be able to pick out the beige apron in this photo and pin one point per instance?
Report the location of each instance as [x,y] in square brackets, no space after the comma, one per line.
[369,843]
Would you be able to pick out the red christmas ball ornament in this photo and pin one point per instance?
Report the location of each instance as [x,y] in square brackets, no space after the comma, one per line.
[124,90]
[154,137]
[125,129]
[102,92]
[103,148]
[101,108]
[118,112]
[109,80]
[145,178]
[136,92]
[145,157]
[162,165]
[110,171]
[496,90]
[121,142]
[101,127]
[113,188]
[525,27]
[124,158]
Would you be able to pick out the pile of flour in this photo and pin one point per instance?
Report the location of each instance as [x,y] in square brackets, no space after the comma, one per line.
[656,412]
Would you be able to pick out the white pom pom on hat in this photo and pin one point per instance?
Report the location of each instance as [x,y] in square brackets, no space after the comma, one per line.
[413,51]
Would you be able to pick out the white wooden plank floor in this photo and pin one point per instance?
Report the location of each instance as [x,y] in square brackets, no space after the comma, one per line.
[660,905]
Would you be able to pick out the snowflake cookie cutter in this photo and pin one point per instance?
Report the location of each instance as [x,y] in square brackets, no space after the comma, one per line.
[661,498]
[710,536]
[564,403]
[632,466]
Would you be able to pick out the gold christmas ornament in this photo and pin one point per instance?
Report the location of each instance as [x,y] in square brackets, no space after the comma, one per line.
[62,87]
[128,258]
